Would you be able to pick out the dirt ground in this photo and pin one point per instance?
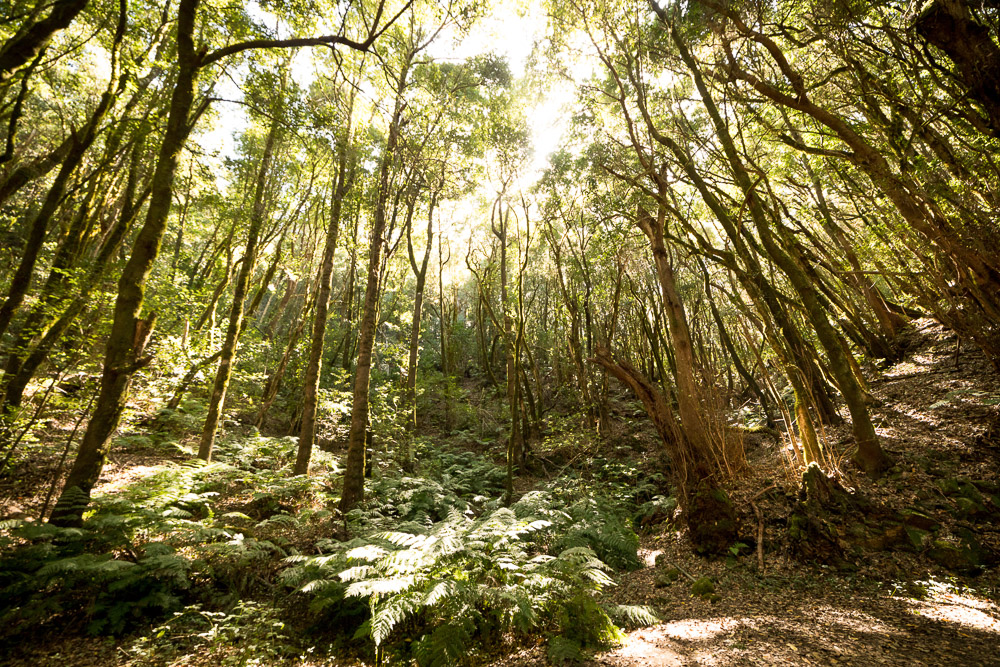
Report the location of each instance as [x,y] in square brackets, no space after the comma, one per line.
[937,415]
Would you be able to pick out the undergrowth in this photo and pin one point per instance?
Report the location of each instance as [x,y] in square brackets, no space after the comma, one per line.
[213,557]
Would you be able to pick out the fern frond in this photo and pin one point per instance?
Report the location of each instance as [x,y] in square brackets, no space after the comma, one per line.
[439,592]
[368,552]
[562,650]
[387,616]
[444,646]
[379,587]
[633,616]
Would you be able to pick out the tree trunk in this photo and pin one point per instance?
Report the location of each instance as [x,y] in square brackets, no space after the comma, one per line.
[235,328]
[418,301]
[21,281]
[870,456]
[314,365]
[708,512]
[28,42]
[27,354]
[696,421]
[273,382]
[948,25]
[129,333]
[354,469]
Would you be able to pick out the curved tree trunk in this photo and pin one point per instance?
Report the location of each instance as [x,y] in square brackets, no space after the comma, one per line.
[129,333]
[31,39]
[870,457]
[708,512]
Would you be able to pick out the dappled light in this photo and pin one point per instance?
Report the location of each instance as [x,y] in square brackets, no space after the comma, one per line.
[427,333]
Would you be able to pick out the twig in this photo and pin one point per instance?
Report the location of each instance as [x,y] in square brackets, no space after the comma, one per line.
[762,492]
[681,570]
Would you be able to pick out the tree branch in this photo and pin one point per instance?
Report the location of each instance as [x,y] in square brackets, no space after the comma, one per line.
[294,42]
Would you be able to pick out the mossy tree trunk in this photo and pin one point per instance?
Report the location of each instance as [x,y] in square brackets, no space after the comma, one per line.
[314,365]
[354,472]
[127,338]
[785,252]
[707,510]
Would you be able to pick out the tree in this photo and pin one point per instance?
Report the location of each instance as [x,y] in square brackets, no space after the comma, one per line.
[130,332]
[339,188]
[236,312]
[354,489]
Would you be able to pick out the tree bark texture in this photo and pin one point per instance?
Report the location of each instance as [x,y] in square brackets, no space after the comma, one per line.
[354,472]
[314,365]
[124,351]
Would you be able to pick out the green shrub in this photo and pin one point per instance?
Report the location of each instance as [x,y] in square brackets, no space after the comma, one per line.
[458,570]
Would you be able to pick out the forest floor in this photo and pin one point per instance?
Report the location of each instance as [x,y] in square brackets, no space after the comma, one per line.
[906,605]
[940,422]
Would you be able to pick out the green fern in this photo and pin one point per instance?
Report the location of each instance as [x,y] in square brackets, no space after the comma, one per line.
[633,616]
[562,651]
[463,577]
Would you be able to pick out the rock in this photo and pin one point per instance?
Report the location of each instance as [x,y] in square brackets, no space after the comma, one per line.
[968,508]
[917,519]
[992,488]
[968,490]
[916,536]
[812,539]
[887,539]
[975,551]
[949,487]
[711,520]
[703,588]
[948,555]
[967,558]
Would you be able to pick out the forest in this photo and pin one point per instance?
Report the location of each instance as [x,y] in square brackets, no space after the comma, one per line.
[551,332]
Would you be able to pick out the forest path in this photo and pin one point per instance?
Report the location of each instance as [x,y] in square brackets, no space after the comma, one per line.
[806,620]
[939,421]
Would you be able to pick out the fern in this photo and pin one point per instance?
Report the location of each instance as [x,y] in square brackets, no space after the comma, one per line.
[461,578]
[633,616]
[562,650]
[445,645]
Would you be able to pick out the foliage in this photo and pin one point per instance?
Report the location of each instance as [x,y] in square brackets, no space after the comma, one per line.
[56,571]
[140,552]
[462,579]
[442,566]
[249,633]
